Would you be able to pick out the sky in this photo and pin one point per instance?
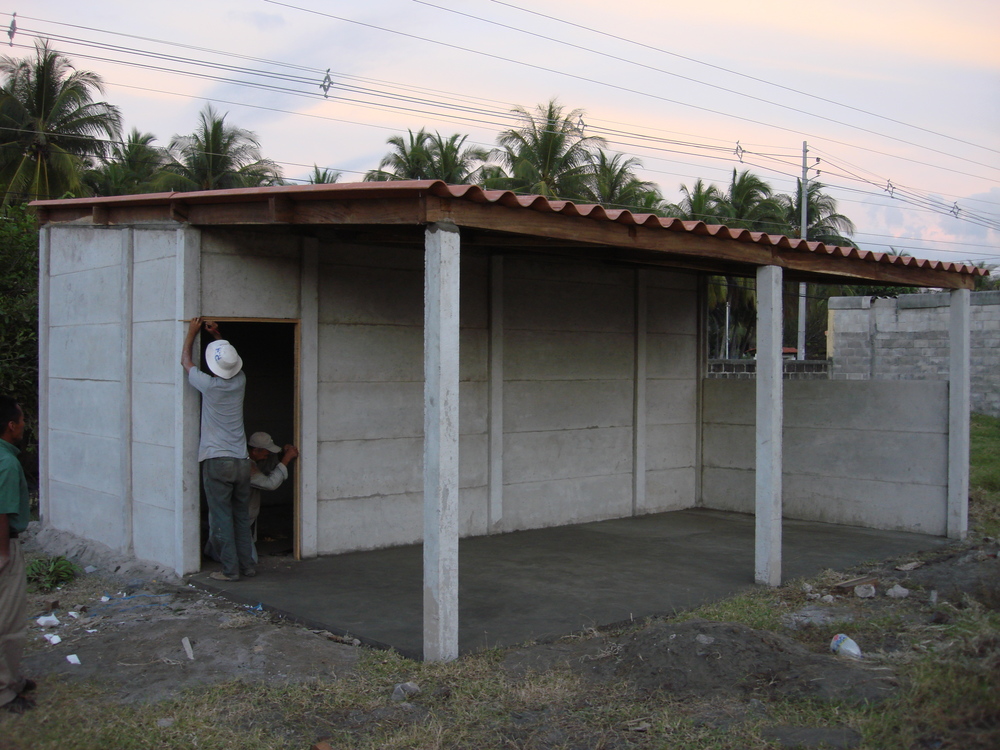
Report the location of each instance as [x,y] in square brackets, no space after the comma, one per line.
[898,99]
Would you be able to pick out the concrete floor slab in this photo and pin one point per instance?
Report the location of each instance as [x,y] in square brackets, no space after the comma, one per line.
[545,583]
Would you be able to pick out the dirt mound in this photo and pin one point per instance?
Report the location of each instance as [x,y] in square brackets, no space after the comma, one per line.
[88,553]
[973,572]
[701,659]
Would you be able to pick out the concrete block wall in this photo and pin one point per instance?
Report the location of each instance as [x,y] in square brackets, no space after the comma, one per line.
[871,453]
[907,339]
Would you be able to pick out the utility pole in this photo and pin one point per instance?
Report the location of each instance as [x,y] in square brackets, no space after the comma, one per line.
[804,234]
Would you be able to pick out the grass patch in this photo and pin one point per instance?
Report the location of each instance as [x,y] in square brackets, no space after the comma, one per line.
[984,475]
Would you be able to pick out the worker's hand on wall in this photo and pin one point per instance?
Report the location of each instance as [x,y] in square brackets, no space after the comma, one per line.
[290,452]
[213,328]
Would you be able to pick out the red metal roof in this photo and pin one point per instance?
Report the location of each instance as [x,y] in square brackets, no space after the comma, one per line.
[475,194]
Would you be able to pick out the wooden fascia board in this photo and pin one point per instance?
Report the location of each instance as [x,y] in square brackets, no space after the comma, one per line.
[700,250]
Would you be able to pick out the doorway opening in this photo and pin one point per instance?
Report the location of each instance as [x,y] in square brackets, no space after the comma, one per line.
[269,351]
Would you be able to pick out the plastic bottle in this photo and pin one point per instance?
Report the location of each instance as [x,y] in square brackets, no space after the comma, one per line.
[842,645]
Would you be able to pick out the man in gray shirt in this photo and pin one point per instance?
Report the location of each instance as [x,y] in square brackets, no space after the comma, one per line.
[222,451]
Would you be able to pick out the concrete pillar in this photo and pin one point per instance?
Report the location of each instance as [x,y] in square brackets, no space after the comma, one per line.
[441,347]
[495,509]
[125,423]
[958,414]
[44,256]
[639,397]
[308,468]
[767,548]
[187,526]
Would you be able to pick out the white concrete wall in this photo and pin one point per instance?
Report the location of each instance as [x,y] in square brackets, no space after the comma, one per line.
[371,397]
[568,387]
[86,377]
[867,453]
[671,392]
[579,363]
[155,372]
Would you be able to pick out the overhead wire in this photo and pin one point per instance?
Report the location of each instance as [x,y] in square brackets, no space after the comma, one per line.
[741,74]
[691,79]
[610,131]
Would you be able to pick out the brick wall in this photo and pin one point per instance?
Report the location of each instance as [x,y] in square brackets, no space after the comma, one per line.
[907,339]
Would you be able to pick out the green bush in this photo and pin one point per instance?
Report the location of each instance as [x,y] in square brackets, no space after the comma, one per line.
[47,573]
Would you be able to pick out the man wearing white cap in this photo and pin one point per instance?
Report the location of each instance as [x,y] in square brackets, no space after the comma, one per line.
[222,451]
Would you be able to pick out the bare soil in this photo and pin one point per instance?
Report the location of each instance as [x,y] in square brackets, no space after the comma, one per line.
[132,620]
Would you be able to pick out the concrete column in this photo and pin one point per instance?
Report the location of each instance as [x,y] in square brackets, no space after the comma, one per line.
[441,347]
[767,557]
[125,425]
[495,509]
[639,398]
[44,256]
[187,404]
[958,414]
[308,468]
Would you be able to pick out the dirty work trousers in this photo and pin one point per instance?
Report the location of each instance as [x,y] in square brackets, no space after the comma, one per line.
[227,491]
[13,624]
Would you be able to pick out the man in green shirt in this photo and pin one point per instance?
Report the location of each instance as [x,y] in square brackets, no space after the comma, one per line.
[15,511]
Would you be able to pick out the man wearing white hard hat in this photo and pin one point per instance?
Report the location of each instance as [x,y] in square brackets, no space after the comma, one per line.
[222,451]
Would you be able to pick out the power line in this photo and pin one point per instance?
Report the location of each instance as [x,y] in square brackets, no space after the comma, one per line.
[744,94]
[742,75]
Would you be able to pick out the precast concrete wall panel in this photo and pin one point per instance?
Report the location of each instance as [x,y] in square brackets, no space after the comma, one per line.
[155,371]
[91,296]
[86,352]
[77,407]
[86,379]
[88,513]
[671,392]
[862,453]
[76,249]
[155,296]
[371,401]
[569,369]
[154,539]
[244,275]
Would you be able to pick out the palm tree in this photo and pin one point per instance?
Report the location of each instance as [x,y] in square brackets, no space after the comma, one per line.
[134,166]
[612,182]
[218,156]
[409,160]
[824,223]
[548,154]
[50,125]
[700,203]
[750,204]
[430,157]
[453,164]
[323,176]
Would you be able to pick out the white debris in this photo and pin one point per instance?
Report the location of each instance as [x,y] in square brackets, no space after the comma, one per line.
[186,643]
[73,659]
[897,592]
[828,599]
[864,591]
[48,621]
[52,638]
